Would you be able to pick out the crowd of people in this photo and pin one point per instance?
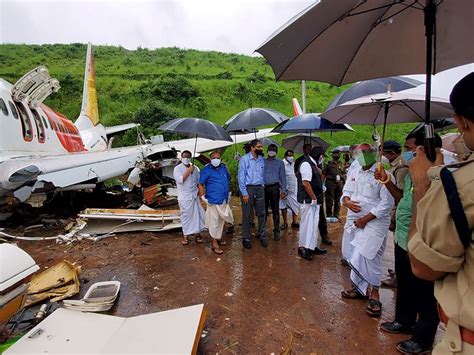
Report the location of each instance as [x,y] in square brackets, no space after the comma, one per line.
[429,208]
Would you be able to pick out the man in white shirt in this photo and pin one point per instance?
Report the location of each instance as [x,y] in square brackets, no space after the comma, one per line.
[192,214]
[290,200]
[370,204]
[310,198]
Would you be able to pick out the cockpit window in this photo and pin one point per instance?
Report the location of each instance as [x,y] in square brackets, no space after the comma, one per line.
[13,109]
[3,107]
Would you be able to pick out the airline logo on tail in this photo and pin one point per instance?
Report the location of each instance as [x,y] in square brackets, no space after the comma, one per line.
[89,99]
[296,107]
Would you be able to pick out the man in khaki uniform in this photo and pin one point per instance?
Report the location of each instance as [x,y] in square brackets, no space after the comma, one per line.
[441,240]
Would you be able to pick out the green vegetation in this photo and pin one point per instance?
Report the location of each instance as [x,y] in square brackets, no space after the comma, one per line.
[153,86]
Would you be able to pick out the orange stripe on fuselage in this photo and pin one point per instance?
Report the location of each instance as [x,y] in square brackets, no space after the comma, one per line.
[67,133]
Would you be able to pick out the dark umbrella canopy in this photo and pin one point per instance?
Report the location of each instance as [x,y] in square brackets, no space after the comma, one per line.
[374,86]
[196,127]
[309,122]
[253,118]
[345,41]
[297,141]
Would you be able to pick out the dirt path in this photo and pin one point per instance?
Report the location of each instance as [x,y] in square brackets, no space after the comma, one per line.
[254,298]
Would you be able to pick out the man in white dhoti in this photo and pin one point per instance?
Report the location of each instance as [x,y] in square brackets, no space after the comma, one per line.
[310,198]
[370,204]
[290,201]
[215,181]
[191,215]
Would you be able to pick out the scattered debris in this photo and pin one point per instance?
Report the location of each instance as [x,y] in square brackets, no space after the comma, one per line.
[66,331]
[288,350]
[228,294]
[55,283]
[99,298]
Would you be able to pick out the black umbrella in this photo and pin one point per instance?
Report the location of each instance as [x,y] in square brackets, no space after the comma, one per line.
[344,41]
[297,141]
[374,86]
[252,118]
[310,122]
[196,127]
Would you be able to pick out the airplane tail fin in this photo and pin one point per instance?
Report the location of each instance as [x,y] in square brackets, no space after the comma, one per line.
[89,94]
[296,107]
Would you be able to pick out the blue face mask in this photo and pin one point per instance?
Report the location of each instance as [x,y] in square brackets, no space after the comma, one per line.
[407,156]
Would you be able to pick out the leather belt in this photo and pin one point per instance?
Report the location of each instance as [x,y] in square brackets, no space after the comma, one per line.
[467,335]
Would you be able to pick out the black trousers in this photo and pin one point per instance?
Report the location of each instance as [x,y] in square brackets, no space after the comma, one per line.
[415,297]
[272,200]
[257,201]
[323,224]
[333,195]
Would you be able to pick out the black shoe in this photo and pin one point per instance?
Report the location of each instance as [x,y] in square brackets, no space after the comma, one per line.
[276,236]
[325,240]
[295,225]
[264,242]
[412,347]
[246,243]
[284,226]
[395,328]
[305,253]
[318,251]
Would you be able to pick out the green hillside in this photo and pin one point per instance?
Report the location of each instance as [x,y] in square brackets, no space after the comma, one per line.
[152,86]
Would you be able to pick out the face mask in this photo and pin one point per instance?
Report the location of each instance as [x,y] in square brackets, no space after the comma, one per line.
[186,161]
[290,159]
[215,162]
[366,158]
[271,153]
[258,151]
[407,156]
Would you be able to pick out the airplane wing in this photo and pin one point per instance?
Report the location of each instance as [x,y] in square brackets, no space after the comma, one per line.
[205,145]
[31,174]
[110,131]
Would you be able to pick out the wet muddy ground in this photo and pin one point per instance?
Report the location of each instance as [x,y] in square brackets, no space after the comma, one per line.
[256,300]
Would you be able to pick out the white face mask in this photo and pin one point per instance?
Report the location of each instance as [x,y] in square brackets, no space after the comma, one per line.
[290,159]
[186,161]
[215,162]
[271,153]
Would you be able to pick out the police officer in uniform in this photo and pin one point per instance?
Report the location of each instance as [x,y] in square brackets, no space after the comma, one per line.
[441,240]
[334,172]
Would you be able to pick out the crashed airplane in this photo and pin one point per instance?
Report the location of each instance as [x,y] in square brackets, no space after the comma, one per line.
[41,151]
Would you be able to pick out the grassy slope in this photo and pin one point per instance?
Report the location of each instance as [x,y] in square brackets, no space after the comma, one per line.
[226,83]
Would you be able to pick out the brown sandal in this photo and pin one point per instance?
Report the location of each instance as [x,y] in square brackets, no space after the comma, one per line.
[198,239]
[374,308]
[218,251]
[353,294]
[185,241]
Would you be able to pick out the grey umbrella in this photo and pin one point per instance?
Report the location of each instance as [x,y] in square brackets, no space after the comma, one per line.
[196,127]
[252,118]
[371,87]
[309,122]
[297,141]
[345,41]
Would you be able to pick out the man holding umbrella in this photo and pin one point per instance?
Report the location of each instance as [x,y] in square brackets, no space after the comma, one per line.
[191,215]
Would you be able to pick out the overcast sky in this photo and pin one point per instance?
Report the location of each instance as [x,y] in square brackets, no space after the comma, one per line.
[237,26]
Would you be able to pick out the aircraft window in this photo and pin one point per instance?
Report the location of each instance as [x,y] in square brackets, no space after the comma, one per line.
[13,109]
[3,107]
[39,125]
[45,121]
[26,126]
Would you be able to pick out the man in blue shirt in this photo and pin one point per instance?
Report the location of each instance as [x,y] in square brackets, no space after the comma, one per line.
[274,178]
[251,167]
[215,179]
